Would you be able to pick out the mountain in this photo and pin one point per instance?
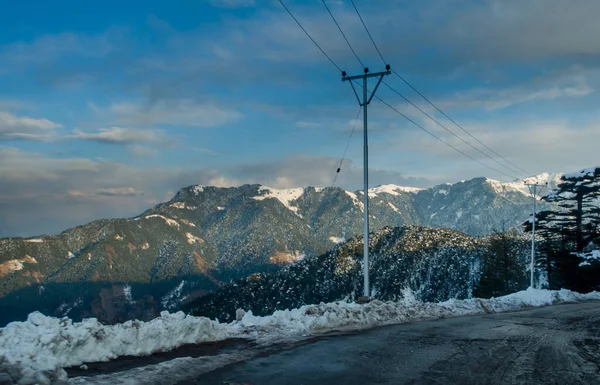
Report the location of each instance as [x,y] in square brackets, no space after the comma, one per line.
[208,236]
[436,264]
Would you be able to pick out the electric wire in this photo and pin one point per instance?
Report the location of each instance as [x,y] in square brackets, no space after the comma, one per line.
[438,138]
[343,34]
[430,102]
[310,37]
[450,131]
[337,173]
[387,104]
[368,33]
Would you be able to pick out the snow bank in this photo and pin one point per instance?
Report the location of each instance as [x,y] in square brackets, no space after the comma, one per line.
[46,344]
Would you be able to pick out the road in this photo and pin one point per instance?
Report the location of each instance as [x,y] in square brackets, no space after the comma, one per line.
[552,345]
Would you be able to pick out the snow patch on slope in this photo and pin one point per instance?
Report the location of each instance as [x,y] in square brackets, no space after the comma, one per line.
[192,239]
[15,265]
[170,222]
[393,207]
[392,189]
[286,196]
[337,240]
[355,200]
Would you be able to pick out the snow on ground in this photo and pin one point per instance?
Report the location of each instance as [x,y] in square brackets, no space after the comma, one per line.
[43,345]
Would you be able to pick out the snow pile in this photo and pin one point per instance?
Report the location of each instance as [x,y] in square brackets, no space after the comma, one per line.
[46,344]
[341,315]
[43,345]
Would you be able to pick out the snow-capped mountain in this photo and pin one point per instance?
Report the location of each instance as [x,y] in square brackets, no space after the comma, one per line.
[211,235]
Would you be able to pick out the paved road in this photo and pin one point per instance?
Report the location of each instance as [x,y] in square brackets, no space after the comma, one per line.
[552,345]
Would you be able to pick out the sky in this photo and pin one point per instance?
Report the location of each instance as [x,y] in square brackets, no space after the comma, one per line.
[108,108]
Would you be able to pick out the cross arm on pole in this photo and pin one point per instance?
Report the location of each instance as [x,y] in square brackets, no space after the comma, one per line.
[372,75]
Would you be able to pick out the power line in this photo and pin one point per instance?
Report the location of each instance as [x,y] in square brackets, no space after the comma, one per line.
[310,37]
[337,173]
[440,139]
[343,34]
[368,33]
[430,102]
[388,105]
[450,131]
[458,125]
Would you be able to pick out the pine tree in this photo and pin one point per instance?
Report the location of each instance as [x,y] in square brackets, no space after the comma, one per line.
[504,265]
[566,231]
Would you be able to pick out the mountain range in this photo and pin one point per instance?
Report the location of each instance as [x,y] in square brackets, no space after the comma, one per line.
[211,235]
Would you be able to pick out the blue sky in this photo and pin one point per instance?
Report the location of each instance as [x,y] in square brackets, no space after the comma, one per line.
[109,108]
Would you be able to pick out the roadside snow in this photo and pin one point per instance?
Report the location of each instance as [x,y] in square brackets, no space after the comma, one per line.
[44,345]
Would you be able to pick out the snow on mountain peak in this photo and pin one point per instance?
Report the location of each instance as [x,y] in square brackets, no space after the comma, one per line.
[551,179]
[392,189]
[285,196]
[197,189]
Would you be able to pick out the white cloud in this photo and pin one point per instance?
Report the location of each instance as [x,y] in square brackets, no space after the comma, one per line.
[24,127]
[108,192]
[52,46]
[121,135]
[142,150]
[178,112]
[537,90]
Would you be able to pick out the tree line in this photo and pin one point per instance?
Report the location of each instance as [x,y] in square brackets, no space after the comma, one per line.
[567,246]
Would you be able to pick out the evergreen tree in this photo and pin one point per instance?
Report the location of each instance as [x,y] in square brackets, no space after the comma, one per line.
[504,265]
[569,228]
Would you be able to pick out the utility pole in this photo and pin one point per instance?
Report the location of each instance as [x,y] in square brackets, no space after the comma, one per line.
[533,190]
[365,102]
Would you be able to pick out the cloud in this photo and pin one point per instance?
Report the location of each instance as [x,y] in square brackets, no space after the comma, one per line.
[233,3]
[142,151]
[121,135]
[109,192]
[540,89]
[54,46]
[26,128]
[303,170]
[44,194]
[182,112]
